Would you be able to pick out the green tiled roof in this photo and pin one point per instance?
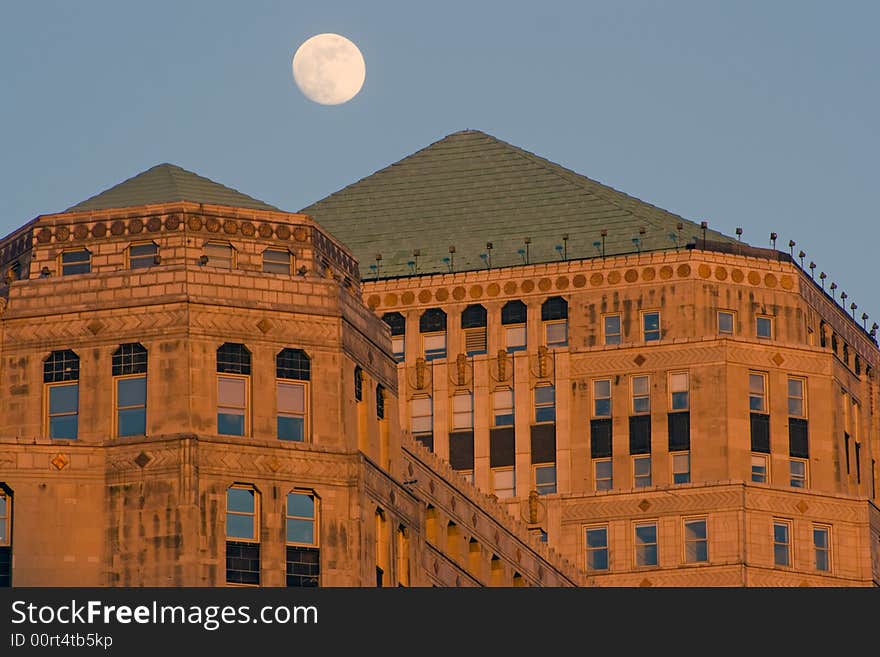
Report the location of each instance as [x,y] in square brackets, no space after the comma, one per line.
[471,188]
[167,183]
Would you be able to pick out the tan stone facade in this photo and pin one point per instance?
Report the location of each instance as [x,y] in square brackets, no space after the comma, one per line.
[185,500]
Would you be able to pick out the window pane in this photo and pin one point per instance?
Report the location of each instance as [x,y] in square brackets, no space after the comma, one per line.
[545,475]
[822,560]
[646,534]
[545,395]
[132,422]
[231,392]
[238,526]
[63,426]
[503,419]
[291,398]
[651,322]
[300,505]
[679,401]
[503,399]
[780,533]
[597,559]
[795,407]
[504,478]
[678,382]
[640,385]
[230,424]
[795,388]
[545,414]
[421,406]
[642,405]
[242,500]
[143,249]
[461,403]
[602,388]
[764,327]
[131,392]
[642,466]
[516,337]
[612,329]
[75,256]
[597,538]
[603,407]
[820,538]
[647,555]
[63,399]
[300,531]
[725,322]
[291,428]
[695,530]
[557,334]
[780,555]
[756,384]
[759,469]
[603,469]
[435,342]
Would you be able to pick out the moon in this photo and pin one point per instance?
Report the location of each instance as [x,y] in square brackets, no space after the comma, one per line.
[329,69]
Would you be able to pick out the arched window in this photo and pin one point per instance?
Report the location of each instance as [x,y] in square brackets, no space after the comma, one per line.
[473,323]
[397,323]
[303,551]
[143,255]
[233,389]
[513,319]
[130,389]
[292,373]
[432,326]
[554,315]
[242,535]
[61,383]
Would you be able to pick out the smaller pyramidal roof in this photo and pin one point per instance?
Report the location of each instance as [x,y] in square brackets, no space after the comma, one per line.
[167,183]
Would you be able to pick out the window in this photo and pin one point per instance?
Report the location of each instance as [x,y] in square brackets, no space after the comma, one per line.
[822,547]
[545,479]
[5,516]
[303,556]
[554,314]
[504,482]
[696,544]
[380,402]
[602,398]
[397,323]
[781,543]
[462,410]
[725,322]
[473,323]
[403,556]
[612,329]
[757,395]
[641,471]
[681,468]
[422,415]
[76,262]
[603,474]
[759,468]
[796,405]
[242,535]
[641,394]
[679,391]
[597,548]
[679,431]
[545,404]
[61,382]
[141,256]
[130,383]
[5,536]
[292,365]
[798,471]
[432,326]
[234,364]
[646,544]
[764,327]
[513,320]
[358,384]
[276,261]
[503,407]
[219,255]
[650,326]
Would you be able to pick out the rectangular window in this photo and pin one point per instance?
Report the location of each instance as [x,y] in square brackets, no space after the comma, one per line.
[422,414]
[303,555]
[600,438]
[232,393]
[475,341]
[798,471]
[640,434]
[641,394]
[5,533]
[696,543]
[681,468]
[219,255]
[602,398]
[641,471]
[796,404]
[764,327]
[141,256]
[434,345]
[759,468]
[241,514]
[291,411]
[760,432]
[603,474]
[504,482]
[781,543]
[846,449]
[822,547]
[76,262]
[679,431]
[398,347]
[515,338]
[503,407]
[798,440]
[757,392]
[679,391]
[131,406]
[612,329]
[650,326]
[63,410]
[556,333]
[545,479]
[545,404]
[276,261]
[725,322]
[646,544]
[462,411]
[597,548]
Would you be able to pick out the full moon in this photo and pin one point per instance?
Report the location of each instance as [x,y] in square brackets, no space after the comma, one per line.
[329,69]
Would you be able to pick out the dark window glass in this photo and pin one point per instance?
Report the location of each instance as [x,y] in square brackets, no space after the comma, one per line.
[640,434]
[61,366]
[798,443]
[543,443]
[380,402]
[233,359]
[75,262]
[433,320]
[600,438]
[461,450]
[64,411]
[292,364]
[501,447]
[679,425]
[141,256]
[242,563]
[129,359]
[760,431]
[131,405]
[396,322]
[303,566]
[358,384]
[554,308]
[513,312]
[473,316]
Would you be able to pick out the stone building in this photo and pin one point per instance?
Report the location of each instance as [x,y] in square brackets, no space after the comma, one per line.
[195,394]
[570,386]
[669,405]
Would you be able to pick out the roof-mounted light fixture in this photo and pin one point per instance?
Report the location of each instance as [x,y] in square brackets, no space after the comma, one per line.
[604,234]
[833,287]
[801,255]
[703,226]
[822,277]
[791,244]
[864,320]
[812,269]
[451,257]
[565,246]
[739,233]
[773,239]
[852,309]
[527,241]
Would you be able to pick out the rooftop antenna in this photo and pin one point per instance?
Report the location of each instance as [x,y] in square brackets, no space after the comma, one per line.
[812,269]
[822,277]
[451,257]
[527,241]
[773,239]
[791,244]
[489,256]
[378,264]
[703,226]
[604,234]
[739,233]
[565,246]
[874,328]
[416,254]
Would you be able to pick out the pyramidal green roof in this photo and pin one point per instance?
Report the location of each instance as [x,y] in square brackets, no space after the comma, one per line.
[470,188]
[167,183]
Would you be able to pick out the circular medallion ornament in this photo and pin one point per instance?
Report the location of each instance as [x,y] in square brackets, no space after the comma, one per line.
[424,296]
[770,280]
[373,301]
[596,279]
[754,278]
[459,293]
[683,271]
[62,233]
[248,229]
[212,224]
[99,229]
[665,272]
[230,227]
[737,275]
[544,284]
[265,231]
[510,287]
[195,222]
[80,232]
[154,224]
[283,232]
[135,226]
[527,286]
[579,280]
[442,294]
[648,274]
[786,283]
[407,298]
[493,290]
[44,235]
[390,299]
[562,283]
[172,222]
[614,277]
[721,273]
[704,271]
[476,291]
[300,234]
[631,276]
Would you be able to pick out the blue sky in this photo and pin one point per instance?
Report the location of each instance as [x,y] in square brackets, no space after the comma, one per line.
[754,114]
